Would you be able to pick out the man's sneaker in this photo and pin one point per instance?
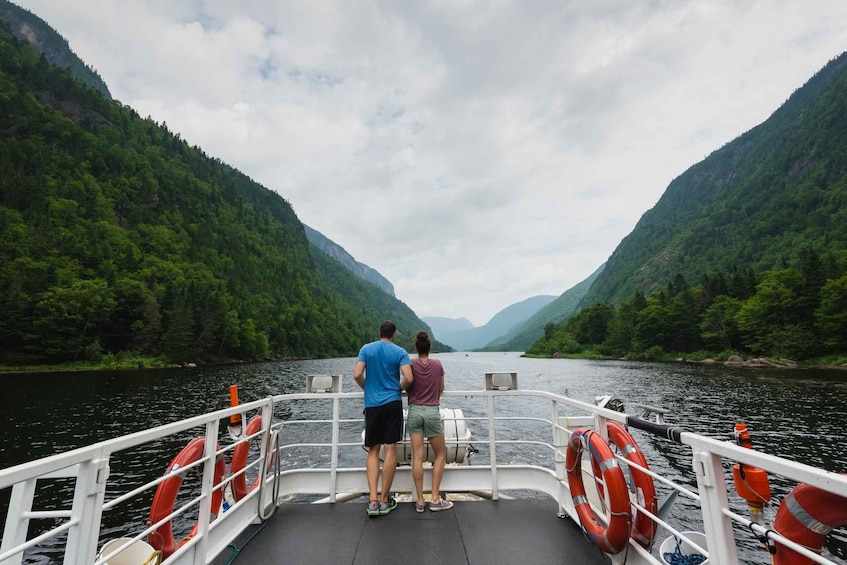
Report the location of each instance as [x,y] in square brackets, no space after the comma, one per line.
[440,505]
[386,507]
[373,508]
[420,507]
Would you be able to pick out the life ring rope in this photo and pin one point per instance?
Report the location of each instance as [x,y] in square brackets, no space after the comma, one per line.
[190,457]
[644,528]
[238,466]
[613,537]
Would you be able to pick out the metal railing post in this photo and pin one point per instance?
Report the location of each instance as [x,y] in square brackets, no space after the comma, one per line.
[17,523]
[333,473]
[492,447]
[87,510]
[713,499]
[207,483]
[266,452]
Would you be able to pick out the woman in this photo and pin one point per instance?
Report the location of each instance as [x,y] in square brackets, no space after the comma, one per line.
[425,418]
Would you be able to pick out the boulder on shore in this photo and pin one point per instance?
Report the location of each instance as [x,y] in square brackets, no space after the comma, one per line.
[734,361]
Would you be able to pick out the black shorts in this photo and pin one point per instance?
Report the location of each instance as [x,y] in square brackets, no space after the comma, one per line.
[384,424]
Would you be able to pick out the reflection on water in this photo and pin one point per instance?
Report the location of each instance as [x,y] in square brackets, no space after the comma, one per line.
[798,414]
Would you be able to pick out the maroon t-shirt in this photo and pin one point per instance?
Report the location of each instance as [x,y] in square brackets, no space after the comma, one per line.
[426,388]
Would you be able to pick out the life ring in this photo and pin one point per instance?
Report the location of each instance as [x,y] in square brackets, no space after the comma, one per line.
[643,527]
[162,538]
[239,461]
[611,539]
[806,516]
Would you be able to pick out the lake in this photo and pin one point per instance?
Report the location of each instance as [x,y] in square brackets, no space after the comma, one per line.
[794,413]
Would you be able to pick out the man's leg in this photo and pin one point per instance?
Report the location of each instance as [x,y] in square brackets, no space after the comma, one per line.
[388,468]
[372,468]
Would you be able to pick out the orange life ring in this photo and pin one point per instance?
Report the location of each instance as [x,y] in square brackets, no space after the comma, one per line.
[643,527]
[163,501]
[239,461]
[613,538]
[806,516]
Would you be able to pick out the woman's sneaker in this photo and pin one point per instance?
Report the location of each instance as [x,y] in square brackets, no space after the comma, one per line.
[420,507]
[373,508]
[440,505]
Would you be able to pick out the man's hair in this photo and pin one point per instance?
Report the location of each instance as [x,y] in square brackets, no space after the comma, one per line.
[387,329]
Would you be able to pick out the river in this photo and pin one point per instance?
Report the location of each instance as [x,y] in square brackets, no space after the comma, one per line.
[793,413]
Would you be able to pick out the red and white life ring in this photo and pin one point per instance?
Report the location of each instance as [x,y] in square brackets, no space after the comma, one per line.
[643,527]
[239,461]
[163,501]
[611,539]
[806,516]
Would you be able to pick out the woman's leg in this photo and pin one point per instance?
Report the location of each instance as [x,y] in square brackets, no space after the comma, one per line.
[438,446]
[417,464]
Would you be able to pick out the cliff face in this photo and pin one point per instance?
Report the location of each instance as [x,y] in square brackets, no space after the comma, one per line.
[338,253]
[29,28]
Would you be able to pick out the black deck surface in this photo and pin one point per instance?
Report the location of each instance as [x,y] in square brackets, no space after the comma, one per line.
[523,532]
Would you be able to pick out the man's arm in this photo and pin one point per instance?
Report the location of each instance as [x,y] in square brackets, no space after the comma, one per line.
[359,374]
[407,377]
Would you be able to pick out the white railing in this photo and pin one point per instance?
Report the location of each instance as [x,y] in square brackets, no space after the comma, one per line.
[525,452]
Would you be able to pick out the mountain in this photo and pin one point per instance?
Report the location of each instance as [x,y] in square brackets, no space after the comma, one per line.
[521,337]
[28,27]
[338,253]
[755,203]
[502,322]
[445,326]
[119,239]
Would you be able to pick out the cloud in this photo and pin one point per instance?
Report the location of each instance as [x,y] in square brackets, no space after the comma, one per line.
[474,153]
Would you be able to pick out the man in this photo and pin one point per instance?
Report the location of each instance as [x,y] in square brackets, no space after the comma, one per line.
[378,371]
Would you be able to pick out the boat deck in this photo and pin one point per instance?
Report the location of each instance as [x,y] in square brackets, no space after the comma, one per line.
[486,532]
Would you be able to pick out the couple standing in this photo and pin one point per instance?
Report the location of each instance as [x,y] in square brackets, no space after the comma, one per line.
[376,371]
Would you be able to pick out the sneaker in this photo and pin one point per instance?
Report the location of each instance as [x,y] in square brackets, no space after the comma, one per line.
[386,507]
[373,508]
[440,505]
[420,507]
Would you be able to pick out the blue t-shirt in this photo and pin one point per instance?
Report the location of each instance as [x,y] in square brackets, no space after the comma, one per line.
[382,360]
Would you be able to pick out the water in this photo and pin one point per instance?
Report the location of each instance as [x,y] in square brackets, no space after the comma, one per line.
[797,414]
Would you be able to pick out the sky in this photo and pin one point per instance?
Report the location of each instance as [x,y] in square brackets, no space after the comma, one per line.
[476,154]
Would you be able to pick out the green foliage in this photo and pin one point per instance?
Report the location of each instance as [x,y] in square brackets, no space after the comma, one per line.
[680,321]
[116,236]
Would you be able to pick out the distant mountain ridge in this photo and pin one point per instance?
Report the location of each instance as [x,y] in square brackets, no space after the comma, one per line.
[523,336]
[445,326]
[499,325]
[338,253]
[28,27]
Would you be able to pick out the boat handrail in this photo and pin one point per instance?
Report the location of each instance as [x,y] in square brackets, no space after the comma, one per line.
[90,465]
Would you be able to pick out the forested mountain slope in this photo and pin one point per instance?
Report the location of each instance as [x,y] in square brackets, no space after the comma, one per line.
[753,204]
[115,236]
[338,253]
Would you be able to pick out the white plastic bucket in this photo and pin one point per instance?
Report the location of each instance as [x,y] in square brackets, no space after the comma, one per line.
[138,553]
[685,548]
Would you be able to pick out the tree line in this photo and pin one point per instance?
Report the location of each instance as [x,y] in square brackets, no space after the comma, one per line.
[796,312]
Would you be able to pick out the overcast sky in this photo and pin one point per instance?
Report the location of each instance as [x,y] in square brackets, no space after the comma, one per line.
[474,153]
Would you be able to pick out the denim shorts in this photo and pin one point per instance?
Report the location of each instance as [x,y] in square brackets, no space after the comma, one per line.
[424,420]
